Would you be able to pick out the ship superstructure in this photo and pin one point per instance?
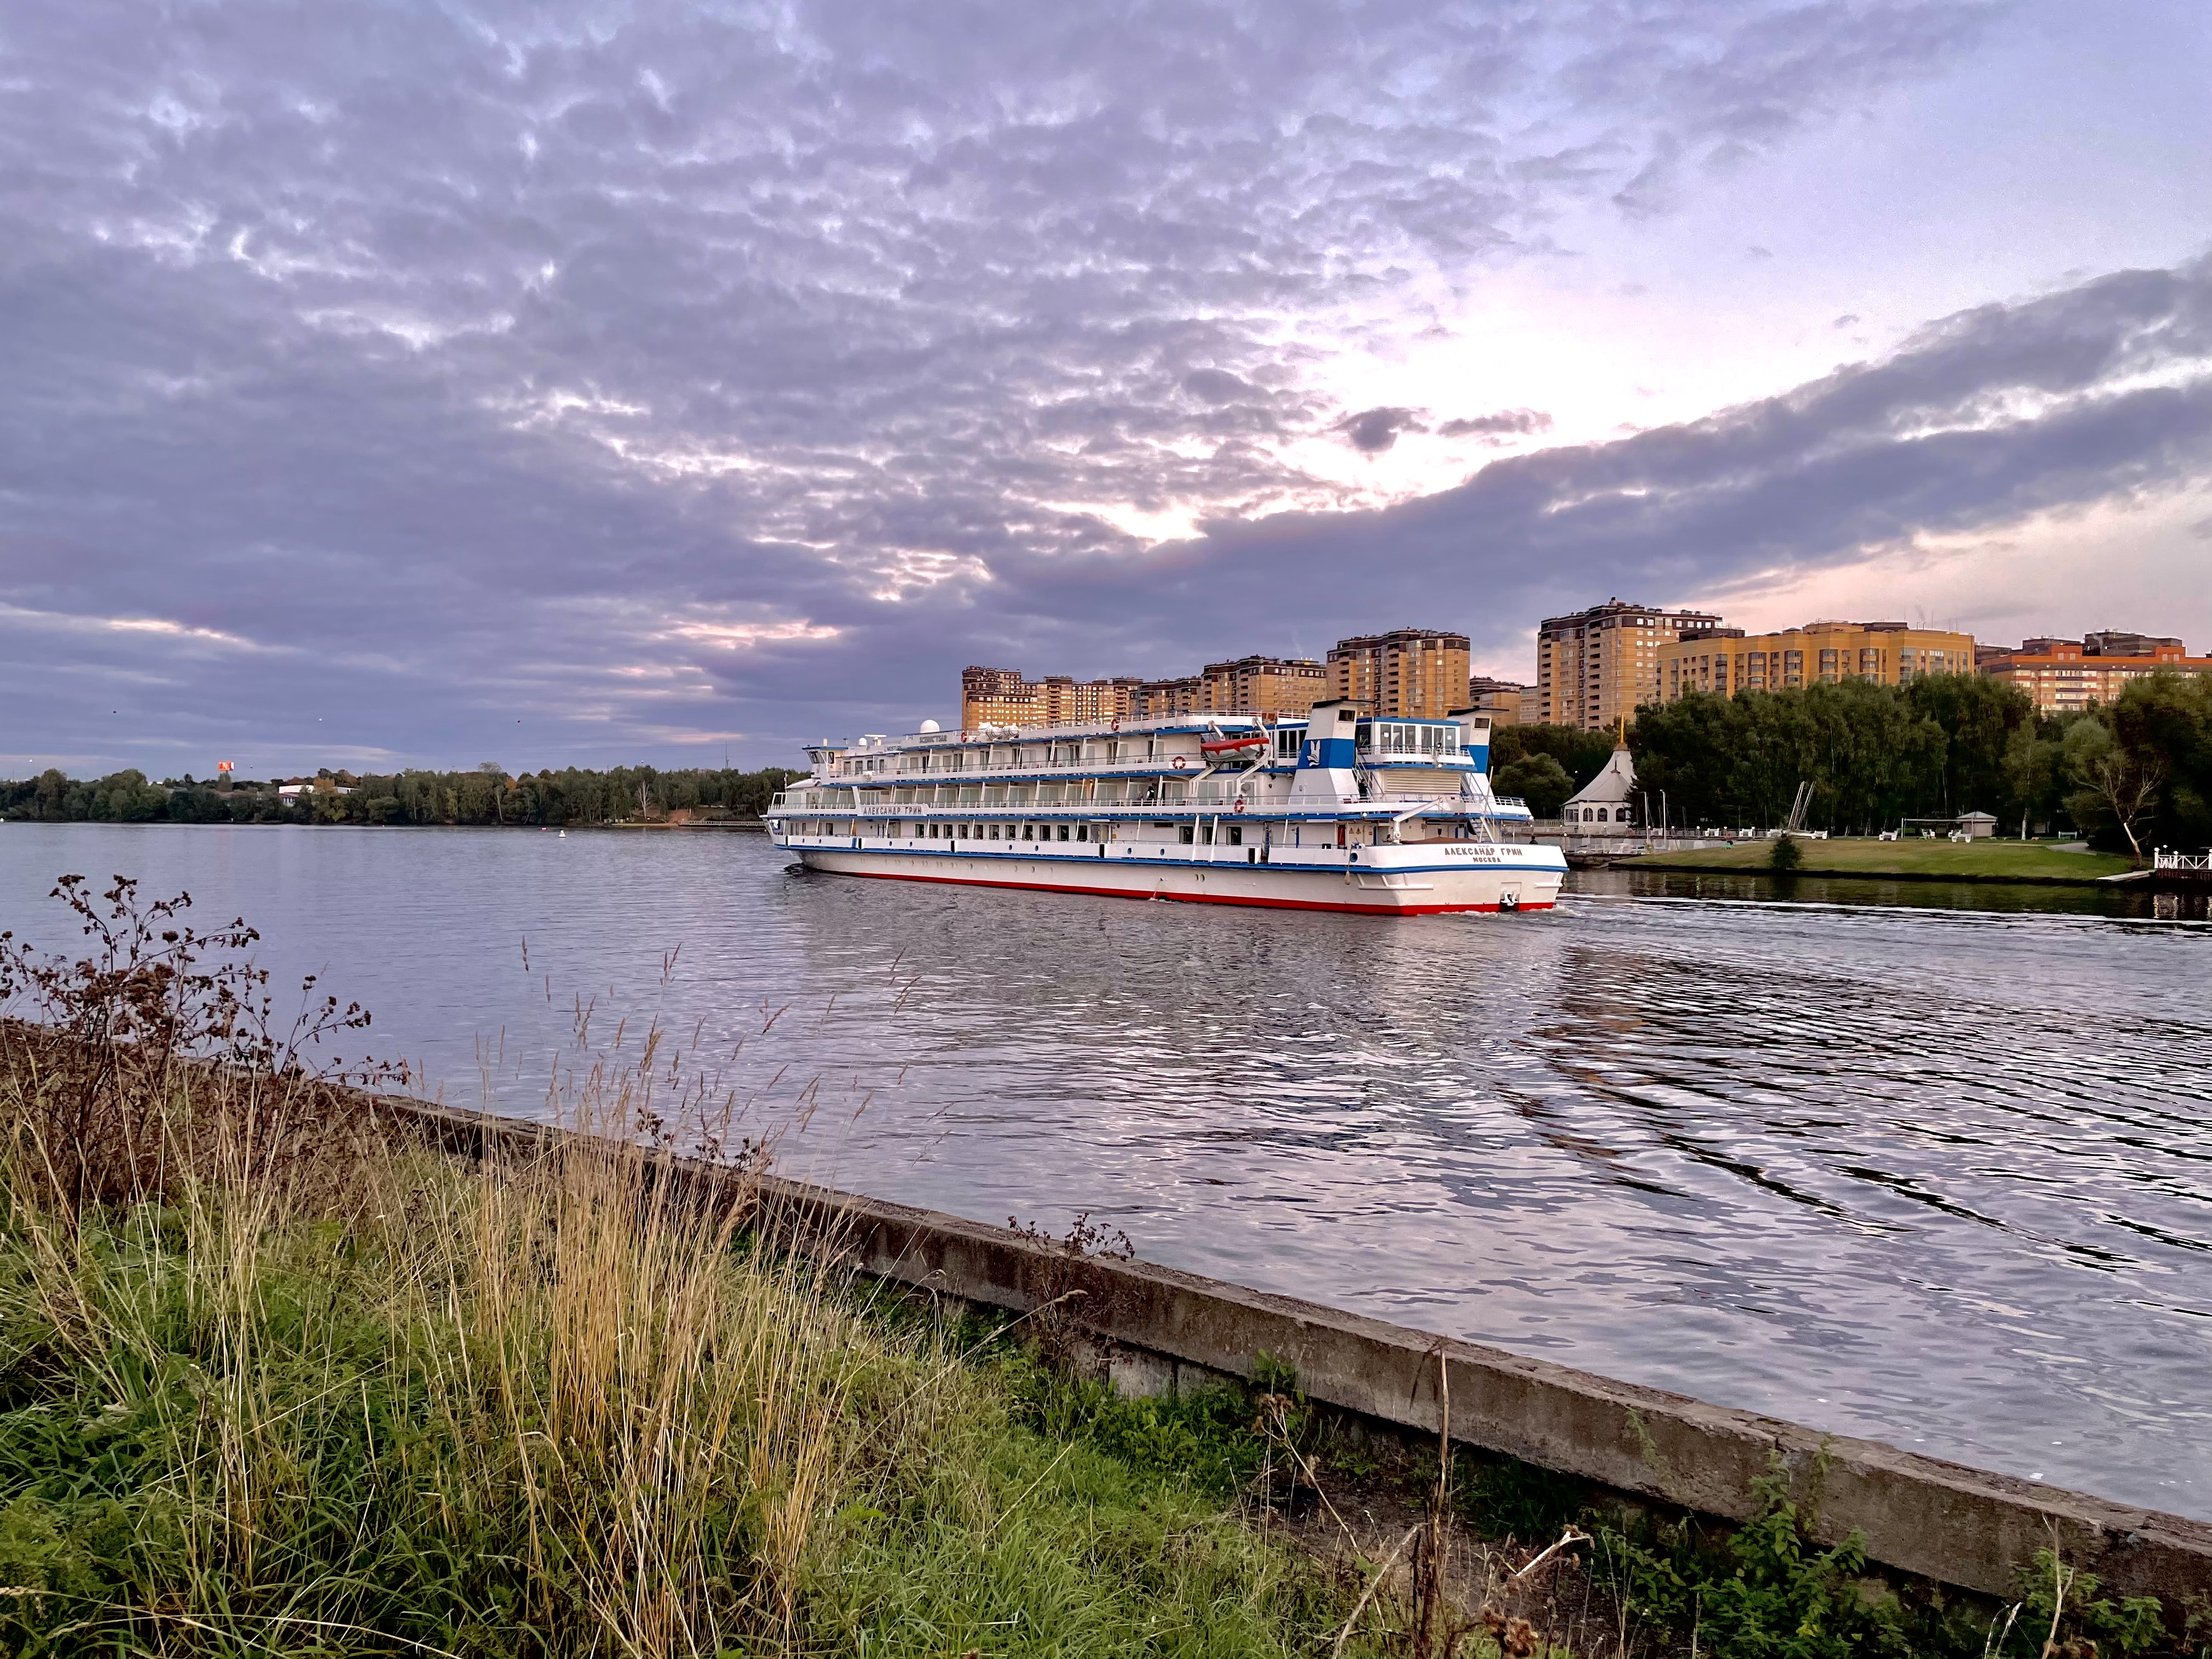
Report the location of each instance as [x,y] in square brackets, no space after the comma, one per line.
[1339,810]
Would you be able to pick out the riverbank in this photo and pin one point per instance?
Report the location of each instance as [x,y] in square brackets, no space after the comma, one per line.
[320,1389]
[2032,863]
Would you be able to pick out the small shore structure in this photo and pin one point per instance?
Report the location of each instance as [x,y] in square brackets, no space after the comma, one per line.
[1605,805]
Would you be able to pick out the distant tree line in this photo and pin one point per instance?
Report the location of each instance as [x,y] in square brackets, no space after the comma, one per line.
[488,795]
[2132,773]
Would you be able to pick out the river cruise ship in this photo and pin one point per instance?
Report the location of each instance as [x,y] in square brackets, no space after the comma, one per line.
[1339,810]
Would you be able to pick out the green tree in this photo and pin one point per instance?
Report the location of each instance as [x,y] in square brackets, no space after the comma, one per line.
[1581,754]
[1870,756]
[1685,750]
[2164,723]
[52,796]
[2113,787]
[1540,779]
[1978,718]
[2035,772]
[1773,754]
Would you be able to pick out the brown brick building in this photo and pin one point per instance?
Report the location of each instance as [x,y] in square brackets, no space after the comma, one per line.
[1410,673]
[2061,675]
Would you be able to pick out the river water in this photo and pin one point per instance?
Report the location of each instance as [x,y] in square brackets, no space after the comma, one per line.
[1938,1176]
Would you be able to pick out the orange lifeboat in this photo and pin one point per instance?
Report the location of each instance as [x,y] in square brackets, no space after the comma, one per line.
[1213,747]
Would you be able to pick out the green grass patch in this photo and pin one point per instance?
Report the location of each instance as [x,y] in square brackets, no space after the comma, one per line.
[535,1411]
[1982,860]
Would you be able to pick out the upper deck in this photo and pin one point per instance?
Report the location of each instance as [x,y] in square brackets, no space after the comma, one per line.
[1191,763]
[1135,747]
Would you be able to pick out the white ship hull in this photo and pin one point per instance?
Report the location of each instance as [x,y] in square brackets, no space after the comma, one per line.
[1501,883]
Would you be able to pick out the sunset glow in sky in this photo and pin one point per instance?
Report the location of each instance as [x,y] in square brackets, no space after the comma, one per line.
[410,384]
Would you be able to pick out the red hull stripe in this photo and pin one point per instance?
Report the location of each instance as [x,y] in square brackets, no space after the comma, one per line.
[1185,898]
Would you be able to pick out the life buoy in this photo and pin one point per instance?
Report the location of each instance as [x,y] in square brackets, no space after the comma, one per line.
[1114,724]
[1240,803]
[1179,763]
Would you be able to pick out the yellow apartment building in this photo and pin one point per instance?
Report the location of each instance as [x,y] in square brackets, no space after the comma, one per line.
[1412,673]
[1265,685]
[1596,667]
[1504,700]
[1183,695]
[1248,685]
[1818,653]
[1002,697]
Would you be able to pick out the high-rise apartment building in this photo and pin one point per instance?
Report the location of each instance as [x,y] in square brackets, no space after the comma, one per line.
[1002,697]
[1412,673]
[1595,668]
[1248,685]
[1504,700]
[1183,695]
[998,696]
[1728,660]
[2062,675]
[1265,685]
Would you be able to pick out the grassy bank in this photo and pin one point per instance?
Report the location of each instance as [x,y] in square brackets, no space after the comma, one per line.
[328,1394]
[1909,860]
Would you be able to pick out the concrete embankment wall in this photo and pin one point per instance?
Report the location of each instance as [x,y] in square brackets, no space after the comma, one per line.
[1920,1516]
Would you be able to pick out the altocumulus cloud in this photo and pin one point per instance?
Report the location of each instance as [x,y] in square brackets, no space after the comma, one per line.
[383,380]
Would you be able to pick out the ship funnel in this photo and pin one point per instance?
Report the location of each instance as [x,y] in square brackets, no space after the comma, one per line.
[1327,759]
[1474,736]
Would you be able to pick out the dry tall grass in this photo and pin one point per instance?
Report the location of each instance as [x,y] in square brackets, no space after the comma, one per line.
[647,1403]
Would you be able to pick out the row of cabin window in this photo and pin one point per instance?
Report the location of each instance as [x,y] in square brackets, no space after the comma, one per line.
[997,831]
[1596,815]
[1044,754]
[1392,737]
[1429,739]
[1231,835]
[1203,834]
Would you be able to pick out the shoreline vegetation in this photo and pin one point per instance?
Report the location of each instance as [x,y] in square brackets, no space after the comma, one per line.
[2013,863]
[277,1377]
[2127,775]
[487,797]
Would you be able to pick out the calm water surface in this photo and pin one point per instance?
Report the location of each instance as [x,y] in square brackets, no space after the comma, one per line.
[1935,1175]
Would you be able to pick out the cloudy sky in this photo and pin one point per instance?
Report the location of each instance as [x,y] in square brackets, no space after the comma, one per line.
[415,384]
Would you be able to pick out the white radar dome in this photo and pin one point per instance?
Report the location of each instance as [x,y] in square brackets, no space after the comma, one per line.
[931,726]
